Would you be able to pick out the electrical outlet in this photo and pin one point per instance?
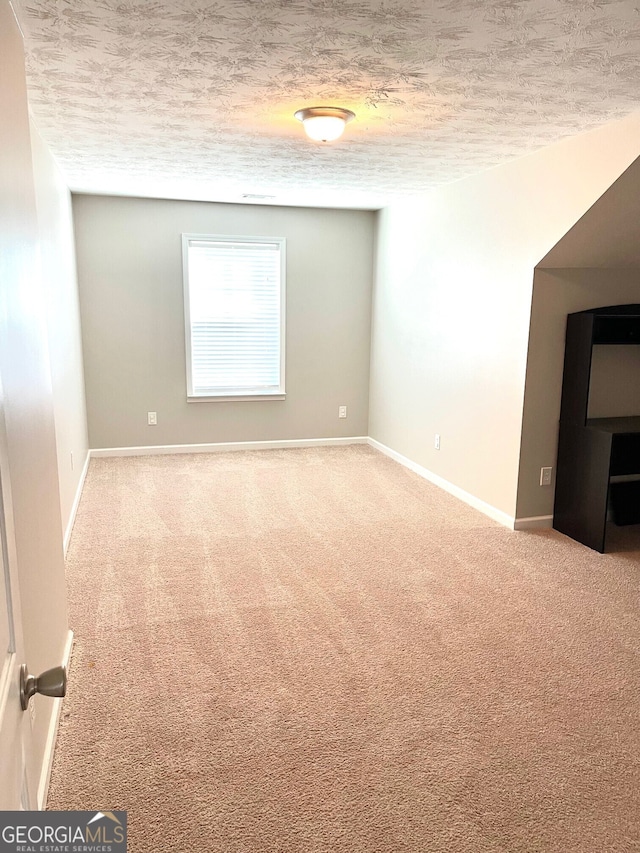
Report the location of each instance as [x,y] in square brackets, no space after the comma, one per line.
[152,418]
[342,411]
[545,476]
[72,460]
[436,442]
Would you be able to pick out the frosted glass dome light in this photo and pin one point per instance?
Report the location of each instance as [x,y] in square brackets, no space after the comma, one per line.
[324,124]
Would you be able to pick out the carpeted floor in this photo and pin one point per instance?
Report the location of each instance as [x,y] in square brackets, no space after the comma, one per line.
[316,651]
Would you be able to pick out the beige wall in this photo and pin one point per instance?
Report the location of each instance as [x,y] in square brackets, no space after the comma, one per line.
[607,235]
[452,301]
[130,278]
[557,293]
[600,257]
[55,222]
[26,385]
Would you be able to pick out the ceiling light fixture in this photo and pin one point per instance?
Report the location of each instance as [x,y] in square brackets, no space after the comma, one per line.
[324,124]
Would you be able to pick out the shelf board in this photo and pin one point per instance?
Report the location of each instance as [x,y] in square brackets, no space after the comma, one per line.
[615,425]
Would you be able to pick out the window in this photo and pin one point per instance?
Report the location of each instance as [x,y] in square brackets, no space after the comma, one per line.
[234,297]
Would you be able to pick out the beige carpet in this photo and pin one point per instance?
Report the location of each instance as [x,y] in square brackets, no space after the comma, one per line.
[317,651]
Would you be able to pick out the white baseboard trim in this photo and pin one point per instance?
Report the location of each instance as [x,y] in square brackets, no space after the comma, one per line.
[76,502]
[534,522]
[225,447]
[491,511]
[50,745]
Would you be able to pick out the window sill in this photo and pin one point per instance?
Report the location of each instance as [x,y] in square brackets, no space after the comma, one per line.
[237,398]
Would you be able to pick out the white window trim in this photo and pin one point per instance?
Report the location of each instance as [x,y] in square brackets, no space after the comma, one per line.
[241,396]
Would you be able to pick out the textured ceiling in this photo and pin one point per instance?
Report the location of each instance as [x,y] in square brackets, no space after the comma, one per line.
[195,99]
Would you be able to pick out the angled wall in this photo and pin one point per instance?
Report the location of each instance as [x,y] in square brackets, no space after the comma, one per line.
[608,235]
[596,263]
[452,303]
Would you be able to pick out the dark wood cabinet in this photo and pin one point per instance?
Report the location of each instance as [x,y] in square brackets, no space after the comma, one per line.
[592,451]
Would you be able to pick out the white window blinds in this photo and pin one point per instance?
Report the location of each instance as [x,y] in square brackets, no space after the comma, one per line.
[234,309]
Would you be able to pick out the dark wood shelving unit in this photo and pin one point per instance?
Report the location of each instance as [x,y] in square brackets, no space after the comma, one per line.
[592,450]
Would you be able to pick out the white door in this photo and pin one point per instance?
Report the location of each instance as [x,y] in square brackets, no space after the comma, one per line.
[16,787]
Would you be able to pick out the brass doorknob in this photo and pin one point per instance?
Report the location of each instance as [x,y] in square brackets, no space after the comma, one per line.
[53,682]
